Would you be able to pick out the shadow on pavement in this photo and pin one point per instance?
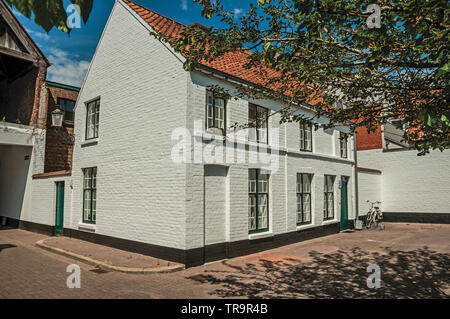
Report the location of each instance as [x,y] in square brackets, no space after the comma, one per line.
[6,246]
[421,273]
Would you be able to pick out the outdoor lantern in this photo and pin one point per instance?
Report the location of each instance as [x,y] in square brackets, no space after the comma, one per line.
[57,117]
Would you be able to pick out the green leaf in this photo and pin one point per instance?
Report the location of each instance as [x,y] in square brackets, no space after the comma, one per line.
[25,7]
[50,13]
[186,66]
[86,8]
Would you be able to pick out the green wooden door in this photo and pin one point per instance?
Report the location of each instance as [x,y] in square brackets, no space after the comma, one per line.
[344,204]
[59,208]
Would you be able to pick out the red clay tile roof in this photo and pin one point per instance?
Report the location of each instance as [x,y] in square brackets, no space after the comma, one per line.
[231,63]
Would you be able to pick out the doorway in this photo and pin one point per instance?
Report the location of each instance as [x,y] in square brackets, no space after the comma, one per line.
[344,203]
[59,223]
[215,212]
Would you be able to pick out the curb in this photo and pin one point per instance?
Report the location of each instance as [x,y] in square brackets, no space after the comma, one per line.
[103,265]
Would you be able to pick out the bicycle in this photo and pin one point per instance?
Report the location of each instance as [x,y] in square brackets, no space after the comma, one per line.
[374,217]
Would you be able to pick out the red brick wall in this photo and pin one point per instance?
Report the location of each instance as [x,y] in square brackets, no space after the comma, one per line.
[58,150]
[369,141]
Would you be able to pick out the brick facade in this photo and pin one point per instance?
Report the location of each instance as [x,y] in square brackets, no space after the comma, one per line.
[369,141]
[59,149]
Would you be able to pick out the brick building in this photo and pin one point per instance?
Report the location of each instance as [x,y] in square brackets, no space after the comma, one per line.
[29,146]
[59,146]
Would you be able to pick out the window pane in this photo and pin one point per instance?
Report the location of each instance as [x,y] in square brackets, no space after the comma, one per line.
[252,212]
[263,185]
[299,203]
[299,183]
[330,201]
[302,137]
[94,205]
[306,183]
[262,212]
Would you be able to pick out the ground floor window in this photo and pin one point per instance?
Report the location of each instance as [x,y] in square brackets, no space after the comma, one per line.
[328,200]
[304,199]
[258,201]
[89,195]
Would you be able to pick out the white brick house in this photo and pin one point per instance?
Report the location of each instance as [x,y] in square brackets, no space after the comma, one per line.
[128,190]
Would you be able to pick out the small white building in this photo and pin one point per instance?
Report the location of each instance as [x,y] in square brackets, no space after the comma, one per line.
[154,173]
[411,188]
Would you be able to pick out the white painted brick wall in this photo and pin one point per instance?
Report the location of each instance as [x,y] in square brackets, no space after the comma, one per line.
[43,199]
[410,183]
[369,190]
[282,216]
[143,99]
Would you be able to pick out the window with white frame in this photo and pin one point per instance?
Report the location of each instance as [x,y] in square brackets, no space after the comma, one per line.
[304,199]
[92,118]
[258,201]
[215,112]
[258,118]
[89,195]
[343,138]
[328,199]
[306,137]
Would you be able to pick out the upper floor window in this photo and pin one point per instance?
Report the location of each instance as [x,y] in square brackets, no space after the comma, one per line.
[328,199]
[306,137]
[343,138]
[92,117]
[304,199]
[67,106]
[258,118]
[215,112]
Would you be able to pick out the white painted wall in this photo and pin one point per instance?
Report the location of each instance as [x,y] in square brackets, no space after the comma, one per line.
[43,199]
[369,189]
[409,183]
[282,201]
[22,154]
[14,178]
[143,90]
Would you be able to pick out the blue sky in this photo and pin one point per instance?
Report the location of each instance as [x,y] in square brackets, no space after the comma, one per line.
[70,55]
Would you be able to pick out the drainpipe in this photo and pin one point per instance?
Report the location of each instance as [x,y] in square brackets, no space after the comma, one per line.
[355,156]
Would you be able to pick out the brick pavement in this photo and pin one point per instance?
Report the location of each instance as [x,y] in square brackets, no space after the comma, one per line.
[413,259]
[107,255]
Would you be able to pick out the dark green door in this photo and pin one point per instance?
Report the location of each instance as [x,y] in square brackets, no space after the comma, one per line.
[59,208]
[344,204]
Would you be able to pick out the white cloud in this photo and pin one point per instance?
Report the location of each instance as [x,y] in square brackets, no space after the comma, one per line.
[66,68]
[184,5]
[39,35]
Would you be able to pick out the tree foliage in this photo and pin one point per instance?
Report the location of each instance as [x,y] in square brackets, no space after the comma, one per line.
[323,51]
[51,13]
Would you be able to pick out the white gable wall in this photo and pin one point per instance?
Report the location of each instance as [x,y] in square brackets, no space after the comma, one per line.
[143,94]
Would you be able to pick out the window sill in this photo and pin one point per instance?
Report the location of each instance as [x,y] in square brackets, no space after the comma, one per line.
[261,235]
[304,227]
[90,227]
[93,141]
